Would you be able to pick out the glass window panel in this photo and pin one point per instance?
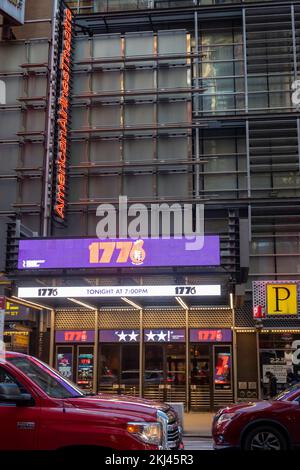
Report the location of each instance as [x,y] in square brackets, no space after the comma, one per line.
[33,154]
[81,83]
[76,189]
[175,148]
[138,186]
[288,264]
[262,265]
[35,120]
[259,247]
[106,116]
[11,56]
[14,89]
[104,187]
[9,156]
[82,49]
[78,151]
[10,124]
[172,113]
[139,114]
[138,150]
[172,42]
[9,188]
[106,81]
[37,86]
[288,245]
[31,190]
[105,151]
[139,44]
[38,52]
[173,78]
[107,46]
[139,80]
[80,118]
[173,185]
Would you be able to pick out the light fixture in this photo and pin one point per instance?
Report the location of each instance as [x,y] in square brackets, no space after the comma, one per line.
[130,302]
[182,303]
[231,300]
[27,303]
[83,304]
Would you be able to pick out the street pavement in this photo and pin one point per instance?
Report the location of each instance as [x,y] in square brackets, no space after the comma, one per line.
[198,443]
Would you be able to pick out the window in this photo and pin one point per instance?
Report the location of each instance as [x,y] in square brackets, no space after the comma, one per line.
[6,378]
[46,378]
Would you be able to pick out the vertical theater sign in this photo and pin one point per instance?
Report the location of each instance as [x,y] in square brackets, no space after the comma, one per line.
[63,114]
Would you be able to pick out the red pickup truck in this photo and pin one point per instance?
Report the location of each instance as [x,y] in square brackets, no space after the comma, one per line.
[41,410]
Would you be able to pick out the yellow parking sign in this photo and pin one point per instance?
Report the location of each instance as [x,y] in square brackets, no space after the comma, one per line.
[282,299]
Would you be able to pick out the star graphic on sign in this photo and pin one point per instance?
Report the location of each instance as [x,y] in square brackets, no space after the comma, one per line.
[133,336]
[150,336]
[122,335]
[161,336]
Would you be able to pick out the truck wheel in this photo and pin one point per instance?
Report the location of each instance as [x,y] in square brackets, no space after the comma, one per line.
[265,438]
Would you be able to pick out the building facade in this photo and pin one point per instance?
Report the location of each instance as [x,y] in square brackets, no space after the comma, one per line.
[187,102]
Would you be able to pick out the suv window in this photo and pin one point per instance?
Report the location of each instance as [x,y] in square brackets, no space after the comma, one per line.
[6,378]
[46,378]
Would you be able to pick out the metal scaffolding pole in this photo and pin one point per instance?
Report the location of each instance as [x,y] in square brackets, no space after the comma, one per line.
[49,126]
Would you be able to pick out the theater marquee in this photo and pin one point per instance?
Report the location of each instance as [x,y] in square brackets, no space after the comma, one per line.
[68,253]
[119,291]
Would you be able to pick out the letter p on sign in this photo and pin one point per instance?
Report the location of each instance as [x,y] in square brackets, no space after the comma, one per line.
[282,299]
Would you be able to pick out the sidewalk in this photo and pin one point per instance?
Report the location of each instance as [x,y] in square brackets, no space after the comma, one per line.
[197,424]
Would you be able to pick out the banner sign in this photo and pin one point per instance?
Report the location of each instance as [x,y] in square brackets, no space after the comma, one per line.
[14,9]
[118,291]
[115,253]
[276,299]
[119,336]
[282,299]
[74,336]
[150,336]
[64,364]
[164,336]
[210,336]
[63,114]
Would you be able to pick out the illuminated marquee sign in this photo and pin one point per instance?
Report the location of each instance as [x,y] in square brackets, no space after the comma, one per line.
[14,9]
[74,336]
[63,117]
[210,336]
[119,291]
[115,253]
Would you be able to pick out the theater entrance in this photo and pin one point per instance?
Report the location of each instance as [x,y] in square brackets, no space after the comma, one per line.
[119,369]
[165,372]
[211,377]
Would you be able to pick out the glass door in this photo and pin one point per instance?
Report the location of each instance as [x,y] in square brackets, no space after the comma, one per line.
[119,369]
[164,374]
[154,377]
[200,377]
